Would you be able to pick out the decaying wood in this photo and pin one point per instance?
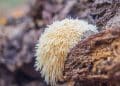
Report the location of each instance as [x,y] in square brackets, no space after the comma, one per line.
[95,61]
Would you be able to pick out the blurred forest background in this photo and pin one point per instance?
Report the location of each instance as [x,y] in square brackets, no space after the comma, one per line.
[22,22]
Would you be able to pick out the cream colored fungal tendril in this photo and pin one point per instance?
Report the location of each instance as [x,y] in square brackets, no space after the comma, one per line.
[54,45]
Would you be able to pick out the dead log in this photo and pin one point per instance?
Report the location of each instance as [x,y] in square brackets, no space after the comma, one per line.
[95,61]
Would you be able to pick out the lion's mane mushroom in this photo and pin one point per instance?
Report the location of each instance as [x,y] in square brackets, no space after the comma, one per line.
[55,44]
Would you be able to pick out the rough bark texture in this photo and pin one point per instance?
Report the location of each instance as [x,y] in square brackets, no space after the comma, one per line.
[95,61]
